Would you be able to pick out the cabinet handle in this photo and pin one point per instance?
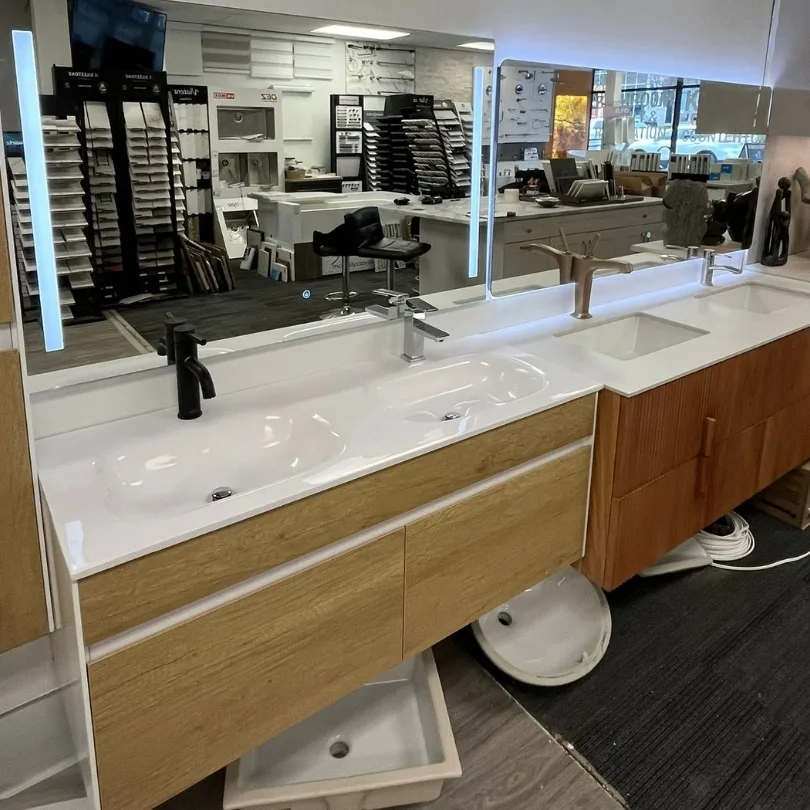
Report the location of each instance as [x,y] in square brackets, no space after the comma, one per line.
[704,467]
[707,439]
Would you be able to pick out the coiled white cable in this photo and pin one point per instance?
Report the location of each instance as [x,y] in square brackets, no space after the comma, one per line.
[740,543]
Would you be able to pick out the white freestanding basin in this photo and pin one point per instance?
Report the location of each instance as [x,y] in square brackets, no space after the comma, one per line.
[387,744]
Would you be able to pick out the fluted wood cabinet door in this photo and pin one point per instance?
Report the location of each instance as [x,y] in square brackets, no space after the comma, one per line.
[23,615]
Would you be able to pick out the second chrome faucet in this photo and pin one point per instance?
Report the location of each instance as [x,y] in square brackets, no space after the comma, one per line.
[412,311]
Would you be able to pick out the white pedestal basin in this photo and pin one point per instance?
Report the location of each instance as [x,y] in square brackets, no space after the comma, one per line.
[631,337]
[759,298]
[387,744]
[178,471]
[458,388]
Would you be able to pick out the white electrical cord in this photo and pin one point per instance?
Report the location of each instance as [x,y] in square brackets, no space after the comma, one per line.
[740,543]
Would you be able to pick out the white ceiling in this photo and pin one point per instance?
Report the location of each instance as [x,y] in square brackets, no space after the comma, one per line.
[285,23]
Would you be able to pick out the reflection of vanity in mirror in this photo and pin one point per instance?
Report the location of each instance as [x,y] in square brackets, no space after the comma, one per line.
[592,163]
[282,128]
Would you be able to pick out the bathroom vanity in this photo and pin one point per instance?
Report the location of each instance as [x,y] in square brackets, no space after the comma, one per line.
[203,629]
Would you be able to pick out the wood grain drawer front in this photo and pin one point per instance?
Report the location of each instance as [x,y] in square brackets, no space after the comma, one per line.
[751,387]
[23,614]
[131,594]
[467,559]
[786,444]
[648,523]
[734,472]
[659,430]
[178,706]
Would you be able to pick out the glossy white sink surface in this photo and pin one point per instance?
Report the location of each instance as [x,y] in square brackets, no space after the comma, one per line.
[123,489]
[759,298]
[179,469]
[632,337]
[458,388]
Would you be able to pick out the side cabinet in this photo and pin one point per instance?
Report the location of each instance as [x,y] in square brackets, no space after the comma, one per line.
[671,460]
[23,613]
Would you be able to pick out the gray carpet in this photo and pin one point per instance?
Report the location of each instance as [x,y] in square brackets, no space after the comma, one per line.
[702,701]
[257,304]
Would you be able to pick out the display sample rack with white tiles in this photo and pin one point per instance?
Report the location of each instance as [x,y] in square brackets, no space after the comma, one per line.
[68,204]
[134,148]
[456,146]
[190,106]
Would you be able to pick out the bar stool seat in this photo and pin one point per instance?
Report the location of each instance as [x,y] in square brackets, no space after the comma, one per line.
[374,244]
[338,242]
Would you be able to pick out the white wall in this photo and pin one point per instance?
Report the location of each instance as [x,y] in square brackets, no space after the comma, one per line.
[15,16]
[443,73]
[725,40]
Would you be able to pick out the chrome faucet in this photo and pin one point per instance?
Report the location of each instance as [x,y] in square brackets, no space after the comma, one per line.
[709,266]
[412,311]
[579,270]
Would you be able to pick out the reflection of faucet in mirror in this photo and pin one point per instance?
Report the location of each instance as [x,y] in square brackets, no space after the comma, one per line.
[580,270]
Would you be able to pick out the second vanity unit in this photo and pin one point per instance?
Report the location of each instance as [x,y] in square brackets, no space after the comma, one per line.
[367,523]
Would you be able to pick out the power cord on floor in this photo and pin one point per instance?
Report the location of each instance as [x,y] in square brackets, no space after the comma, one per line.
[736,545]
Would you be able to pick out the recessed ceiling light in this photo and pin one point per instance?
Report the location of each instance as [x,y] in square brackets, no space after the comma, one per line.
[360,32]
[479,46]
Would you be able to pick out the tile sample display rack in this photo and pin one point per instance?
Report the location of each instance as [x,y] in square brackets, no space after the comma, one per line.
[456,146]
[145,160]
[418,159]
[67,188]
[190,104]
[347,135]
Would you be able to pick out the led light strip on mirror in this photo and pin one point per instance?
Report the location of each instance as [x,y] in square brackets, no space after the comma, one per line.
[31,122]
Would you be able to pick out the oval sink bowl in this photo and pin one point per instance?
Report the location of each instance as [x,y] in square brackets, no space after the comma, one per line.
[179,471]
[759,298]
[458,388]
[631,337]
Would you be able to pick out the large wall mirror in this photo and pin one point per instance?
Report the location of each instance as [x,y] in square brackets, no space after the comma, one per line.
[629,168]
[220,181]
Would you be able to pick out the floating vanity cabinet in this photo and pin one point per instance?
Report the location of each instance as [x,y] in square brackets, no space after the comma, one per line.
[669,461]
[177,706]
[468,558]
[23,614]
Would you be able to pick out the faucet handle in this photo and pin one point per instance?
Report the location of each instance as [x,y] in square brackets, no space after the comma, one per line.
[418,305]
[187,332]
[394,297]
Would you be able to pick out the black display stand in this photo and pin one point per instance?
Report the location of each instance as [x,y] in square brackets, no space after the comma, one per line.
[197,94]
[72,89]
[346,116]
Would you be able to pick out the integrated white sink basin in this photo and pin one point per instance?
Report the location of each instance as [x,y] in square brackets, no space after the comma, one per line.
[178,471]
[631,337]
[463,386]
[759,298]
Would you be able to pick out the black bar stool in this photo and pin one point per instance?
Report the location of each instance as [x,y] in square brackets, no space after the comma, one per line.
[341,241]
[374,244]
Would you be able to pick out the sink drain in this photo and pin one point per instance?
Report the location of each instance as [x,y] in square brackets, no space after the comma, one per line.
[339,749]
[220,493]
[505,618]
[450,416]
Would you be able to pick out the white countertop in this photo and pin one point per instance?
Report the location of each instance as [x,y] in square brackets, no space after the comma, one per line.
[103,484]
[106,513]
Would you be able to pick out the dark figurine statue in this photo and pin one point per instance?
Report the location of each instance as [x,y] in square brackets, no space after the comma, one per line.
[777,237]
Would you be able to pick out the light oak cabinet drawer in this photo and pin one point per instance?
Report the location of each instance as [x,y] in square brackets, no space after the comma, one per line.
[137,592]
[178,706]
[470,557]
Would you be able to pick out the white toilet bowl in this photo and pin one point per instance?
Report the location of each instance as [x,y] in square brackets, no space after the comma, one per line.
[551,634]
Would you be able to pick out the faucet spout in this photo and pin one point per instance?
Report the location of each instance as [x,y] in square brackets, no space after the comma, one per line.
[430,331]
[203,375]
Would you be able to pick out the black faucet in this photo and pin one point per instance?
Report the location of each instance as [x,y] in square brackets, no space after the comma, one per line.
[192,375]
[166,343]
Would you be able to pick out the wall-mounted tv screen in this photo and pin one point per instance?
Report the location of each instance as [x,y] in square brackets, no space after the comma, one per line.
[117,35]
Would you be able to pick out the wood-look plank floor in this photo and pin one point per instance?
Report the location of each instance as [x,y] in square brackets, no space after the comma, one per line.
[85,343]
[509,761]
